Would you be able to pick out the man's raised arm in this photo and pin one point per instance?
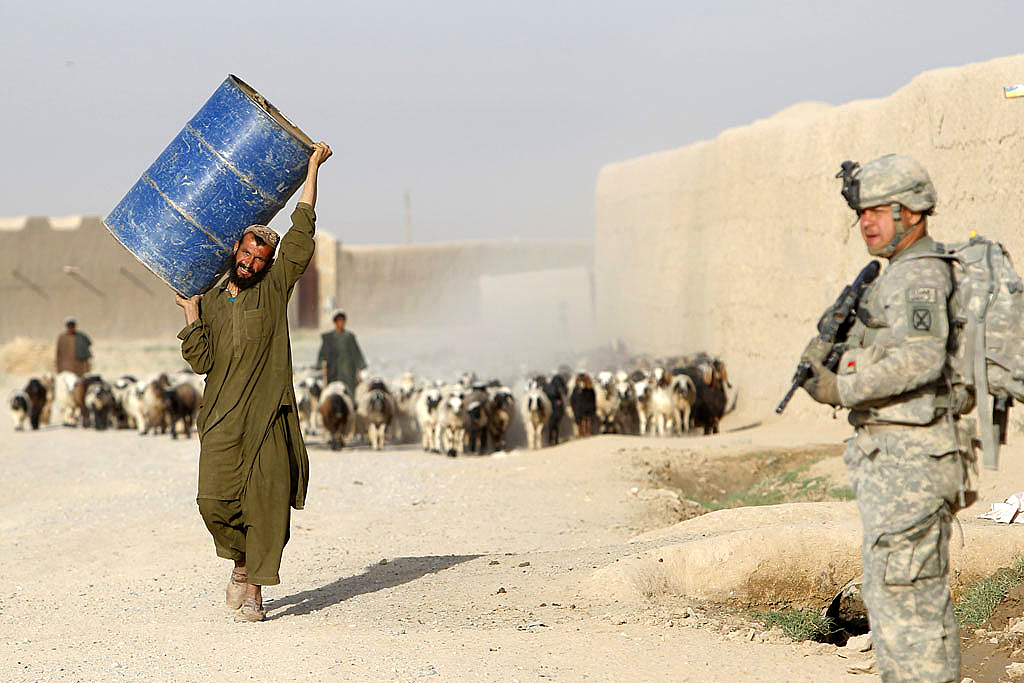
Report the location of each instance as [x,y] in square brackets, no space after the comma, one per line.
[321,152]
[296,248]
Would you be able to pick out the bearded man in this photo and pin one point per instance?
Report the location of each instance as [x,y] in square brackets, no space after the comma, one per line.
[253,466]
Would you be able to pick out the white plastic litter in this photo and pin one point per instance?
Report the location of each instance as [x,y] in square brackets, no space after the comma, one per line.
[1007,512]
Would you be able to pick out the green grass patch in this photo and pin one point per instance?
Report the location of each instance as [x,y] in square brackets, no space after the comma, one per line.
[798,624]
[787,486]
[842,493]
[789,477]
[980,599]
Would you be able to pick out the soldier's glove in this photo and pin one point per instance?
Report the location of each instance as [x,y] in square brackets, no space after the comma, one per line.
[822,386]
[817,351]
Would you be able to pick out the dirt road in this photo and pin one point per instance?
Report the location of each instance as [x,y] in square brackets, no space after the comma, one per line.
[404,566]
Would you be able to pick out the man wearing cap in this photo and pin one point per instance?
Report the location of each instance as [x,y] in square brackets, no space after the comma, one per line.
[252,463]
[73,350]
[340,357]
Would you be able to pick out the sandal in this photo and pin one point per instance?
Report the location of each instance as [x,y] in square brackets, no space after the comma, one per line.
[251,611]
[236,588]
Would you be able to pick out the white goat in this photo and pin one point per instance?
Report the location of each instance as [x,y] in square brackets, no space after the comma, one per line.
[663,411]
[376,408]
[684,395]
[451,422]
[407,393]
[536,409]
[607,402]
[65,407]
[428,406]
[643,390]
[18,403]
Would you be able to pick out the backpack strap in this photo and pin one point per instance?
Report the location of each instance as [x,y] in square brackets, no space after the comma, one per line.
[989,430]
[989,441]
[976,351]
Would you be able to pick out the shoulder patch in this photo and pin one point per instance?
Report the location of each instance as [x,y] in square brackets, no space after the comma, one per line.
[921,319]
[922,295]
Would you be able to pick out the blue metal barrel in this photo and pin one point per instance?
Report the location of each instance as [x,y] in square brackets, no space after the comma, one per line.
[236,163]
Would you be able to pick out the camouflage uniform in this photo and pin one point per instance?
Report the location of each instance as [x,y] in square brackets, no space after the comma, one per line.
[906,464]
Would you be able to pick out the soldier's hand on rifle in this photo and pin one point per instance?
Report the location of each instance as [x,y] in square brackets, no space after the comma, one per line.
[822,387]
[817,351]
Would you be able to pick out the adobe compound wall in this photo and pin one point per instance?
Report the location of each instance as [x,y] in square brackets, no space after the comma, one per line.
[54,268]
[735,245]
[434,285]
[51,268]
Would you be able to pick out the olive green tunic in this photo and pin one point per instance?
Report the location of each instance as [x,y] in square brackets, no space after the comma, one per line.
[243,348]
[341,352]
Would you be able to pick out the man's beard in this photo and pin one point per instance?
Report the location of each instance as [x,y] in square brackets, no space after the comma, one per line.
[245,282]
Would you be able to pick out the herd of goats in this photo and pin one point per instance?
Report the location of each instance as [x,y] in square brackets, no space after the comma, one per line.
[665,398]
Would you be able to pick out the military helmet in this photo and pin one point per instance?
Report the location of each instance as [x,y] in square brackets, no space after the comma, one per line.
[892,179]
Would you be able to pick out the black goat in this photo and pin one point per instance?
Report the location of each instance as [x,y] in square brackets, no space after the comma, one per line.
[583,401]
[708,409]
[557,391]
[36,392]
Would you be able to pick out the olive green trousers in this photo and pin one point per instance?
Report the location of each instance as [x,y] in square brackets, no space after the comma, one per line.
[255,527]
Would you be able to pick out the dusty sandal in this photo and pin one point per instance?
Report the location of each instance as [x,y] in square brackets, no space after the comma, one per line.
[236,589]
[251,611]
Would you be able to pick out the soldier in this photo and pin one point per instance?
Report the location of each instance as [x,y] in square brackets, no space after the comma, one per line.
[907,461]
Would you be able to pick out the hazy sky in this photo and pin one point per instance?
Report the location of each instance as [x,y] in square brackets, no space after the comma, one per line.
[496,116]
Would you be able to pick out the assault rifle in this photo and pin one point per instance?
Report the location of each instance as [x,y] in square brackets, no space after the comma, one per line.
[833,327]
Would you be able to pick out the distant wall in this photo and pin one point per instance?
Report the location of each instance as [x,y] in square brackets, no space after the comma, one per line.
[428,285]
[735,245]
[54,268]
[51,268]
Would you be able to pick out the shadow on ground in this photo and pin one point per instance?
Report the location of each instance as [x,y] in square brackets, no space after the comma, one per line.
[376,577]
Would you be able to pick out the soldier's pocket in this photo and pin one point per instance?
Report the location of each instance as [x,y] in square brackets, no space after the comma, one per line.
[915,553]
[255,325]
[859,447]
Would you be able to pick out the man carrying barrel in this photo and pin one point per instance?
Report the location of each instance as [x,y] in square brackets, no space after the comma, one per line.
[253,466]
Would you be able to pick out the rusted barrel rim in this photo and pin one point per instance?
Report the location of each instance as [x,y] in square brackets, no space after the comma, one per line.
[273,112]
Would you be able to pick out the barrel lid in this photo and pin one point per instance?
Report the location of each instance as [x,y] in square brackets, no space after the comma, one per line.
[272,111]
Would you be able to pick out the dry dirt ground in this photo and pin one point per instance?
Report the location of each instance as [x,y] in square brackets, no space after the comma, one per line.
[579,562]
